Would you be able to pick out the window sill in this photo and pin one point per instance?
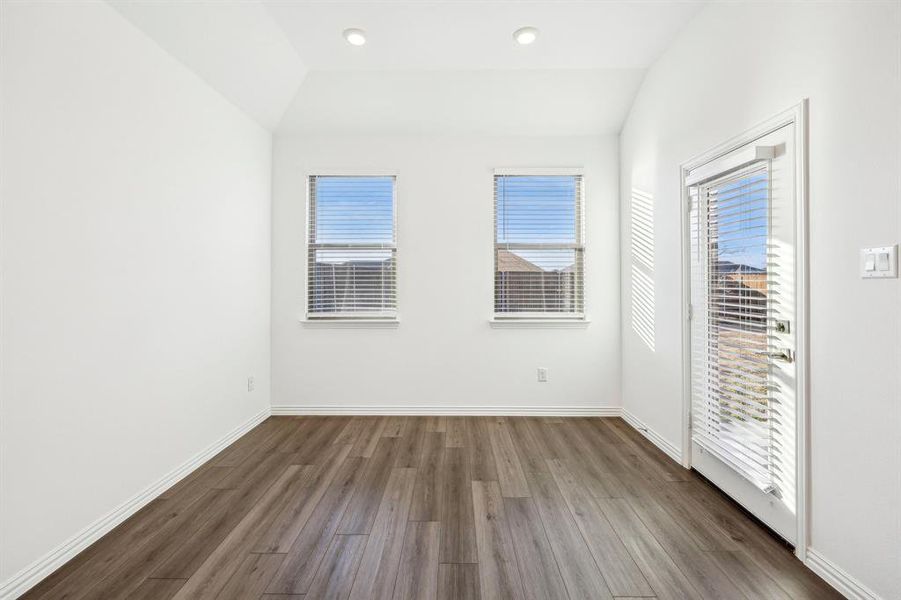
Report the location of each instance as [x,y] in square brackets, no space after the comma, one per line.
[539,323]
[350,323]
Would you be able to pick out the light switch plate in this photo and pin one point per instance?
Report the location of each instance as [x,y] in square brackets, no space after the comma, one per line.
[879,263]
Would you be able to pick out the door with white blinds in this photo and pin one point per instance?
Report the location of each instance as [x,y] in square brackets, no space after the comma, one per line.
[743,309]
[352,249]
[539,245]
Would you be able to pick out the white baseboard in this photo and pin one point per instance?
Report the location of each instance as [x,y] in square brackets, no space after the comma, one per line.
[25,579]
[658,440]
[426,409]
[838,578]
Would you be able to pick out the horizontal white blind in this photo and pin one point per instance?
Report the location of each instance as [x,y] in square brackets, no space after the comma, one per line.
[732,270]
[352,262]
[538,255]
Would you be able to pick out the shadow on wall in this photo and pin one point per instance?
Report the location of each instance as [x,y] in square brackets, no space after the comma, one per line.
[642,282]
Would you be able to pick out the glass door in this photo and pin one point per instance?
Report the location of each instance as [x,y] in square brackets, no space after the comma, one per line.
[743,304]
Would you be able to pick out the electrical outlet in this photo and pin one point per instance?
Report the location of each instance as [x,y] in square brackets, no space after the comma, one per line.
[251,384]
[542,374]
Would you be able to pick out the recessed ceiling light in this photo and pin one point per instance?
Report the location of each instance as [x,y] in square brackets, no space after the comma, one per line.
[355,37]
[525,35]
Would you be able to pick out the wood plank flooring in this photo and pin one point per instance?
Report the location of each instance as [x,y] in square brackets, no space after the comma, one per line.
[443,508]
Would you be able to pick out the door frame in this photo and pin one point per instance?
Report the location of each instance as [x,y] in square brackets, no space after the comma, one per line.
[796,115]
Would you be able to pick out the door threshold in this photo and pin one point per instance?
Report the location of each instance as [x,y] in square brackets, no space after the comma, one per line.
[769,530]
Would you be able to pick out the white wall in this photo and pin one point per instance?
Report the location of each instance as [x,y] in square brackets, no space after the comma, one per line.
[444,354]
[736,65]
[135,265]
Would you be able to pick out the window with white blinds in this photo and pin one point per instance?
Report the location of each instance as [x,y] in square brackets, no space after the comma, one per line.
[352,250]
[539,246]
[733,393]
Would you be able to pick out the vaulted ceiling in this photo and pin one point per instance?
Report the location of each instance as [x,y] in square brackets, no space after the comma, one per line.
[428,66]
[234,45]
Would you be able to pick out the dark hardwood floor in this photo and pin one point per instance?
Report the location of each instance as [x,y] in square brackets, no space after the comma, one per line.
[437,507]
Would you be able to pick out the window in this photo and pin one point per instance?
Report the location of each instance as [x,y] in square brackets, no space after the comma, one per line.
[352,262]
[733,272]
[538,250]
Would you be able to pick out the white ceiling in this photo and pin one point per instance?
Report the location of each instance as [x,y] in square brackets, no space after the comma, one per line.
[428,65]
[234,45]
[461,34]
[502,102]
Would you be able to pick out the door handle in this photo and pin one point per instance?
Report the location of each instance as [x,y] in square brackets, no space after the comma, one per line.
[782,354]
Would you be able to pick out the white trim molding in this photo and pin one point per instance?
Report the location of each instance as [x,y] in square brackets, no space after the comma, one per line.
[339,172]
[432,409]
[835,576]
[539,171]
[655,438]
[506,323]
[28,577]
[319,323]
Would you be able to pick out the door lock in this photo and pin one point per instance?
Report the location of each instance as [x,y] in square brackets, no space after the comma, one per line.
[783,326]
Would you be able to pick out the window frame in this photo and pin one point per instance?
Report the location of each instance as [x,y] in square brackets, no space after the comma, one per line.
[542,319]
[349,319]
